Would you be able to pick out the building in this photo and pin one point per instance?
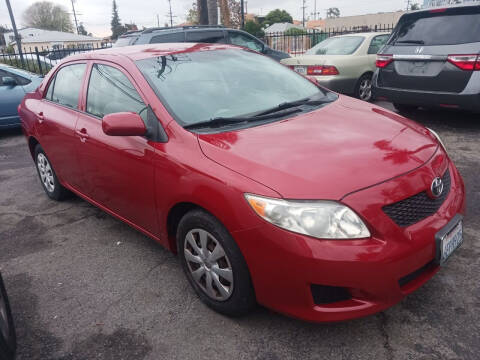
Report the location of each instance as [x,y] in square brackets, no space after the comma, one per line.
[360,22]
[316,24]
[40,38]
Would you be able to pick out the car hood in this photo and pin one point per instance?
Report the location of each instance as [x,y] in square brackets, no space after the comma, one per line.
[325,154]
[314,60]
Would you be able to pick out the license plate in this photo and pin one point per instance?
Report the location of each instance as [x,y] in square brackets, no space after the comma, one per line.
[448,240]
[300,69]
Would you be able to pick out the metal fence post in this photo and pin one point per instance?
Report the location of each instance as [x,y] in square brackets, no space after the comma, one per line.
[38,60]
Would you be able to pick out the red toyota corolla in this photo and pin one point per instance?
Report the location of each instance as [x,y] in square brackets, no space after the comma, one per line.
[270,188]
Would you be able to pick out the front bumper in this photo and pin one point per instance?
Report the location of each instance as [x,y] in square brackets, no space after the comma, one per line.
[377,272]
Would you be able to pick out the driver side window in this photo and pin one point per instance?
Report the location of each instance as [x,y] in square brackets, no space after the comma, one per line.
[110,91]
[237,38]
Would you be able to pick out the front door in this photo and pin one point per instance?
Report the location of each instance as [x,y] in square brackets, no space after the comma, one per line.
[118,170]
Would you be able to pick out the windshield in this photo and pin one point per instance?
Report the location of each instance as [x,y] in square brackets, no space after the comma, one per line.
[124,41]
[344,45]
[438,29]
[203,85]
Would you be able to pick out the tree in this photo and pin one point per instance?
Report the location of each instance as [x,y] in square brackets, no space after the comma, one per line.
[254,28]
[235,13]
[225,12]
[333,12]
[202,12]
[81,29]
[48,16]
[229,9]
[278,16]
[192,14]
[415,7]
[116,26]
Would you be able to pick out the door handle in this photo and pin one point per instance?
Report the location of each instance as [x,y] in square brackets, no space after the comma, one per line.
[82,134]
[40,117]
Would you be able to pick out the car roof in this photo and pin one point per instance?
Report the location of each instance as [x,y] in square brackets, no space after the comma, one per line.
[174,29]
[139,52]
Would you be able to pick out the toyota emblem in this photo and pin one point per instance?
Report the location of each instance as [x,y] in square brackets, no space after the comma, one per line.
[437,187]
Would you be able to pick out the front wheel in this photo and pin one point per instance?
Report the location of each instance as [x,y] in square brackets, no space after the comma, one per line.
[214,265]
[363,89]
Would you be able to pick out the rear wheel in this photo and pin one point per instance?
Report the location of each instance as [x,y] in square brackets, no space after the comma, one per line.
[8,341]
[214,264]
[47,175]
[405,109]
[363,90]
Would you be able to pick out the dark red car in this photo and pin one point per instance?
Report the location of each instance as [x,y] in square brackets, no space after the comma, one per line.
[270,188]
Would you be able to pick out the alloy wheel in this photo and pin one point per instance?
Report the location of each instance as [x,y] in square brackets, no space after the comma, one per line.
[208,264]
[365,90]
[46,172]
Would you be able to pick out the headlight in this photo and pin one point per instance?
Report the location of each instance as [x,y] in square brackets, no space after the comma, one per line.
[438,138]
[320,219]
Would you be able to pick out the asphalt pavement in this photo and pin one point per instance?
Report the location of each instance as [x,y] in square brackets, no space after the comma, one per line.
[83,285]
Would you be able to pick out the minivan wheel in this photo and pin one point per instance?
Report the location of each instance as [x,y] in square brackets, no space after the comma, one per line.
[405,109]
[47,175]
[214,265]
[363,90]
[8,342]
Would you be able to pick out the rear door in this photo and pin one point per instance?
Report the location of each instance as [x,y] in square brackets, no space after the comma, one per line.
[57,115]
[421,45]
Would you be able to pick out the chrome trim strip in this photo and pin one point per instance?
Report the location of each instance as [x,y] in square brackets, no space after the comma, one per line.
[420,57]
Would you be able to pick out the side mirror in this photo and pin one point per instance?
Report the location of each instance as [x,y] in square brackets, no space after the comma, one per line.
[123,124]
[9,81]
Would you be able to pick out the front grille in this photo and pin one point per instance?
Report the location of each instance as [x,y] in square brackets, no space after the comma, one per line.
[418,207]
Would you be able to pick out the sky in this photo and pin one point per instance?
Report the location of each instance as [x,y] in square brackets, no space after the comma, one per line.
[96,14]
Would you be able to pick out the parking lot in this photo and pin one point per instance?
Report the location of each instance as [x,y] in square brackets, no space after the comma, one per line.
[84,285]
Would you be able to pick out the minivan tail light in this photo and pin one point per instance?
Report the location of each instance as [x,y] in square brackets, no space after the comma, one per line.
[383,60]
[322,70]
[465,62]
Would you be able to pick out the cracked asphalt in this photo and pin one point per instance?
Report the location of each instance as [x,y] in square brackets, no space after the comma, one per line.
[86,286]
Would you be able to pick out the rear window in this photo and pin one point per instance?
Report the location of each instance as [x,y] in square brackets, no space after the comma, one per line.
[344,45]
[438,29]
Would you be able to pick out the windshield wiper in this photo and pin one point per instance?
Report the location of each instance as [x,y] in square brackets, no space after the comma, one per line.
[291,104]
[222,121]
[419,42]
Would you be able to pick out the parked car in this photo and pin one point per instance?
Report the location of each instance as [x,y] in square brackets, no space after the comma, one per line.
[269,187]
[8,342]
[342,63]
[432,60]
[14,84]
[199,34]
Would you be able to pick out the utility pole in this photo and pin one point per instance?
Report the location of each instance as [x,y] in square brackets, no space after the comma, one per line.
[170,14]
[158,21]
[75,16]
[408,4]
[303,11]
[243,13]
[18,39]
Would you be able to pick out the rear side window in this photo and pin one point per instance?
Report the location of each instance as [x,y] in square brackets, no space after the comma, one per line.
[110,91]
[377,43]
[168,38]
[206,36]
[65,88]
[438,29]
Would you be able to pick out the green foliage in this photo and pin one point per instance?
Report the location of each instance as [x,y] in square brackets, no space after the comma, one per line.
[254,28]
[48,16]
[295,32]
[333,12]
[28,64]
[278,16]
[192,14]
[81,29]
[115,24]
[415,7]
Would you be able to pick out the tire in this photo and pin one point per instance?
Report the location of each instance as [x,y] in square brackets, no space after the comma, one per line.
[363,89]
[405,109]
[47,176]
[8,340]
[226,271]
